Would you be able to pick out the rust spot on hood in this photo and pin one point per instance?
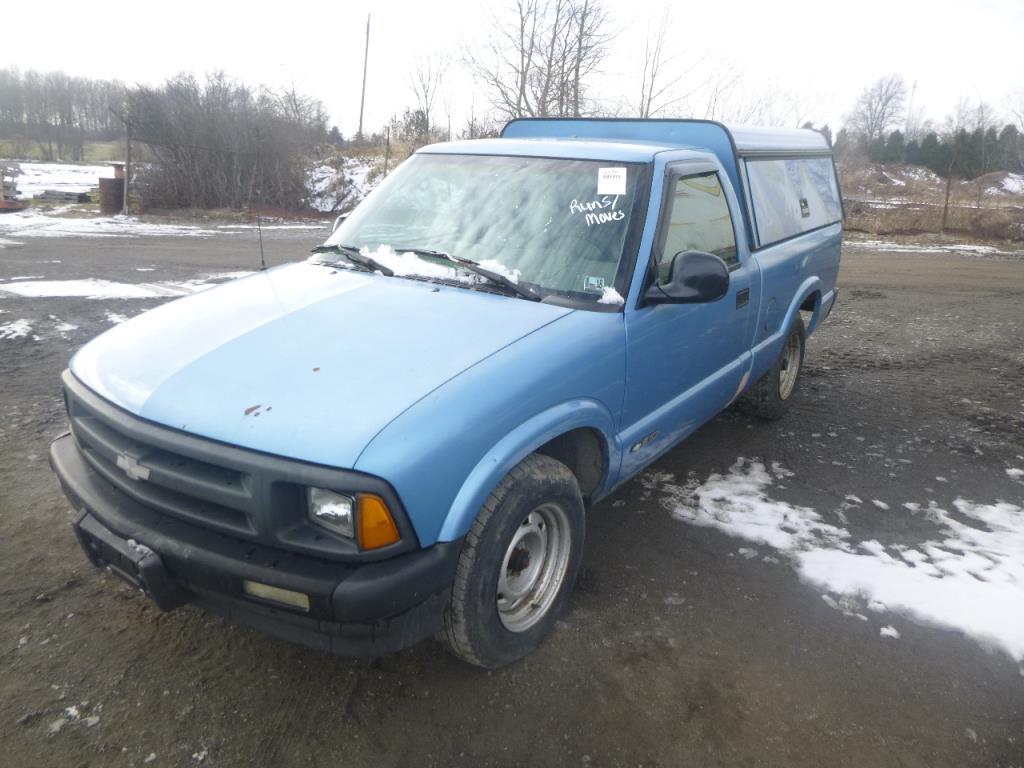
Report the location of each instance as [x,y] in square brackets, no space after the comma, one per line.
[251,408]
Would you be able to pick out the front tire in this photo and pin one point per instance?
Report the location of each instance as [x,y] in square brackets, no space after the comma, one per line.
[517,566]
[769,397]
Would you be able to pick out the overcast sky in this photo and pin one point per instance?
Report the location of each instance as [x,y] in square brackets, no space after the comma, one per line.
[825,52]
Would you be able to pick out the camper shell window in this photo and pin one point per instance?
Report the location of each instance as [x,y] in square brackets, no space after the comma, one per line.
[791,196]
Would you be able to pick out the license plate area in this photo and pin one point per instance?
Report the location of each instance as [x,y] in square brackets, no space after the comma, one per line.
[134,563]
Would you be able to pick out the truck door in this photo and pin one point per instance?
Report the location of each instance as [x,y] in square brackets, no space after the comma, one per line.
[686,362]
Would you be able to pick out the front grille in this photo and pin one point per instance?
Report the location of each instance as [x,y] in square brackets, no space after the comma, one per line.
[244,493]
[180,485]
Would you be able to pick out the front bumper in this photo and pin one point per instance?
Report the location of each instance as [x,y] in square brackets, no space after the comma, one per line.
[354,608]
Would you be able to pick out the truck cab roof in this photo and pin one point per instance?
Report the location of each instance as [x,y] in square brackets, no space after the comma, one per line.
[622,151]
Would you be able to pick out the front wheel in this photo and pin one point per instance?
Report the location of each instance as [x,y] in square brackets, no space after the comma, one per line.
[770,395]
[517,565]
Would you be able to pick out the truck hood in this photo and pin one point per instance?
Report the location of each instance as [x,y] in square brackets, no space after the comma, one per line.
[300,361]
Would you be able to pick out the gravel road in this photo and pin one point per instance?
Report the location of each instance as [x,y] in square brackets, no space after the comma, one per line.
[684,646]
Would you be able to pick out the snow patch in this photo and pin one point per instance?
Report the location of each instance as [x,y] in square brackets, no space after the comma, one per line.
[610,296]
[332,189]
[62,327]
[736,503]
[892,247]
[33,223]
[408,263]
[94,288]
[889,631]
[495,266]
[1011,184]
[271,226]
[962,579]
[16,329]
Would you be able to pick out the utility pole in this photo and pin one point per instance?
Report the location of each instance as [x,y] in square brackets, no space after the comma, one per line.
[366,61]
[910,113]
[127,164]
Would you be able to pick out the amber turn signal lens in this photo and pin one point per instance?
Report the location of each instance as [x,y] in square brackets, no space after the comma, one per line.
[376,527]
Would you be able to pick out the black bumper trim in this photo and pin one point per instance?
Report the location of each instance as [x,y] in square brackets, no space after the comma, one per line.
[354,608]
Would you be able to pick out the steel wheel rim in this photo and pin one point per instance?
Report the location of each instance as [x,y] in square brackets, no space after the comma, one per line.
[790,366]
[533,568]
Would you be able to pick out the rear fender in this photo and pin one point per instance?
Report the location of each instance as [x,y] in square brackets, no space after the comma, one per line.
[766,352]
[520,443]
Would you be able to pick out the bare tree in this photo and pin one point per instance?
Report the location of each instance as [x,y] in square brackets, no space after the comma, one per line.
[538,57]
[219,143]
[426,78]
[879,107]
[660,79]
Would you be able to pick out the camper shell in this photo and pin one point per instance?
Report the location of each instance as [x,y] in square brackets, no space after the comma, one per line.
[737,148]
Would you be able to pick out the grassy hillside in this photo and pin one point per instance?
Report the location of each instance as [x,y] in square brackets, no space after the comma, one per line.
[95,151]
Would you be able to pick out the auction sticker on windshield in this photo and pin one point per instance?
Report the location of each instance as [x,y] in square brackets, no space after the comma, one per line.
[611,181]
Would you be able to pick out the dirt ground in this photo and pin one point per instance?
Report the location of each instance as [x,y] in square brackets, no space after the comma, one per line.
[676,651]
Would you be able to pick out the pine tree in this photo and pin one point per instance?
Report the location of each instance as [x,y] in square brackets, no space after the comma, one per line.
[991,153]
[1010,149]
[876,150]
[895,148]
[930,154]
[912,154]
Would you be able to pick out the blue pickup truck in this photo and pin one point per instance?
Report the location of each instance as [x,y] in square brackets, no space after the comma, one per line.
[400,436]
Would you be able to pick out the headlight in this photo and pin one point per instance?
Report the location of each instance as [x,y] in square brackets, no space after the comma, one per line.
[333,511]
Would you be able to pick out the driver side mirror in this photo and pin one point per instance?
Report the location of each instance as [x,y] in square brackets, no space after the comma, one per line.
[695,277]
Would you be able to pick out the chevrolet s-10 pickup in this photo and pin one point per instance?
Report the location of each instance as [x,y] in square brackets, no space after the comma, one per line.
[401,435]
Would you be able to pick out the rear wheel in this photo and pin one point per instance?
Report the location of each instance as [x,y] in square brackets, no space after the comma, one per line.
[517,565]
[769,396]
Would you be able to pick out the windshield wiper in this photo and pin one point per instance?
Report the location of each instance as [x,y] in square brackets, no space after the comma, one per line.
[353,255]
[472,266]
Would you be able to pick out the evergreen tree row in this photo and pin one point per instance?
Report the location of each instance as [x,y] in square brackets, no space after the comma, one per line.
[964,154]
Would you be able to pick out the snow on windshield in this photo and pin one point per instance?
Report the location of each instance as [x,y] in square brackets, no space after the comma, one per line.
[559,224]
[408,264]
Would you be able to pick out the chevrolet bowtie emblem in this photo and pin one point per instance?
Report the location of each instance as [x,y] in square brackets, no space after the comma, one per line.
[132,467]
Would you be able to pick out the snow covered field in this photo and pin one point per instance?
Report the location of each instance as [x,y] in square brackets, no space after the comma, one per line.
[1012,184]
[967,576]
[30,223]
[932,247]
[92,288]
[34,178]
[15,227]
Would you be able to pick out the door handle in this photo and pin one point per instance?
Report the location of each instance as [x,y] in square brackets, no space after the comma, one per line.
[742,298]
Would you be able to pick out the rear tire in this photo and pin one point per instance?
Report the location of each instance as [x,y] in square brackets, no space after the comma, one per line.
[517,566]
[769,397]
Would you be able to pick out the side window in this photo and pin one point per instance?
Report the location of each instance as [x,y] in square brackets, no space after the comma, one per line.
[792,196]
[698,219]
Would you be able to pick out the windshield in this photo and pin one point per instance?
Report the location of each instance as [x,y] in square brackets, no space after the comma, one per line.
[560,225]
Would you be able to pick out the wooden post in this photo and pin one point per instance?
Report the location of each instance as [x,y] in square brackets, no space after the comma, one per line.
[127,165]
[387,150]
[945,208]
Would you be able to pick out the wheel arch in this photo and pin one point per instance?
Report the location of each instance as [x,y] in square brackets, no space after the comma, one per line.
[579,433]
[808,298]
